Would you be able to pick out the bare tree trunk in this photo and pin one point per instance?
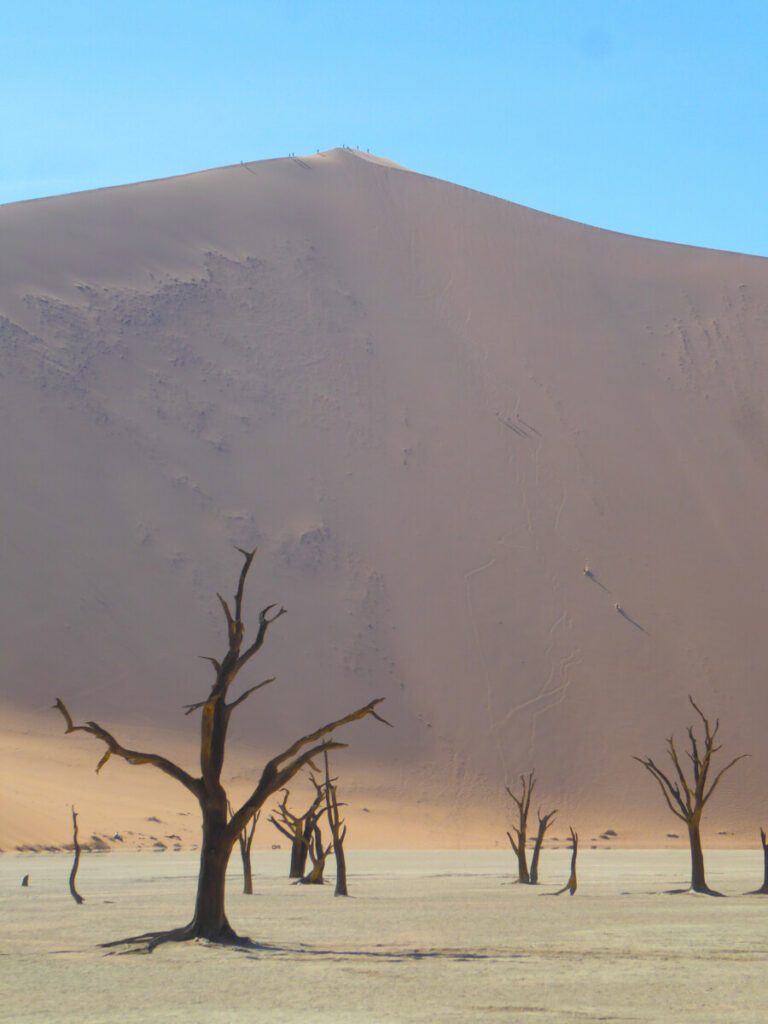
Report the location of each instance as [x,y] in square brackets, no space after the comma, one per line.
[245,840]
[572,883]
[763,890]
[698,881]
[338,832]
[517,842]
[523,875]
[298,852]
[247,871]
[544,822]
[341,870]
[305,844]
[318,854]
[210,918]
[73,874]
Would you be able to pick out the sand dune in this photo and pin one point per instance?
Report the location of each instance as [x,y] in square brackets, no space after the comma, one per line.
[431,410]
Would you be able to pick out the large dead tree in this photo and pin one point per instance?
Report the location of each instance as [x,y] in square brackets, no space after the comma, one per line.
[220,828]
[686,796]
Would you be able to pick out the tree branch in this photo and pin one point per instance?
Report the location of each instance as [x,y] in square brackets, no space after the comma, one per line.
[280,827]
[672,751]
[189,708]
[719,776]
[274,778]
[664,785]
[241,698]
[131,756]
[264,623]
[248,556]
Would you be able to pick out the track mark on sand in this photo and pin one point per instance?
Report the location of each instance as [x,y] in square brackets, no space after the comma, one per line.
[481,652]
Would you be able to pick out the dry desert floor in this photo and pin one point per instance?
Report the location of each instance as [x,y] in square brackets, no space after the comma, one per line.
[428,936]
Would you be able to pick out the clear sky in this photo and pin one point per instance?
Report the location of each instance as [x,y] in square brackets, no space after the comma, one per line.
[642,116]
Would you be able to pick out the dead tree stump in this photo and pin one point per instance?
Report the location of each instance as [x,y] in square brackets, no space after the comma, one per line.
[763,890]
[571,884]
[73,873]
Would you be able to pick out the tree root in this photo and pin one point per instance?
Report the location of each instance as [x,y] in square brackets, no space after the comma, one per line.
[148,942]
[703,892]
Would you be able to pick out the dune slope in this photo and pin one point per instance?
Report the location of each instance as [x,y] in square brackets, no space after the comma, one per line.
[431,410]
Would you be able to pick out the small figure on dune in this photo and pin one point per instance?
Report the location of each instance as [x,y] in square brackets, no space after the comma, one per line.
[618,608]
[591,576]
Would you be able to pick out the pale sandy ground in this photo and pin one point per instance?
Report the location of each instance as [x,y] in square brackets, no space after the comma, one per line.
[430,936]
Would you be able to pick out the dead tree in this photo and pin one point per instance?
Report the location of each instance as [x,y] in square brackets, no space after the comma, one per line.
[686,798]
[76,864]
[338,832]
[245,840]
[220,829]
[318,854]
[518,841]
[571,884]
[544,822]
[299,829]
[763,890]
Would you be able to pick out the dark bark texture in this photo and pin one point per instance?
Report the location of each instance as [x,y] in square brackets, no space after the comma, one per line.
[545,820]
[338,831]
[572,883]
[763,890]
[76,862]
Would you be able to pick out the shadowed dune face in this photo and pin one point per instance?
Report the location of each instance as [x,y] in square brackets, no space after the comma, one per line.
[431,410]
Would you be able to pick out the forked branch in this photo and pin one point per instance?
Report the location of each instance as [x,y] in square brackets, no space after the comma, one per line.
[277,773]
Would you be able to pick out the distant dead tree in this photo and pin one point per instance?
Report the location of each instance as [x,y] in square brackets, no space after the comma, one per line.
[338,831]
[545,820]
[518,841]
[220,829]
[318,855]
[763,890]
[245,841]
[572,883]
[299,829]
[76,863]
[686,797]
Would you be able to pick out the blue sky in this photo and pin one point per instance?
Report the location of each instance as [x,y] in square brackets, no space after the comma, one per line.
[644,117]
